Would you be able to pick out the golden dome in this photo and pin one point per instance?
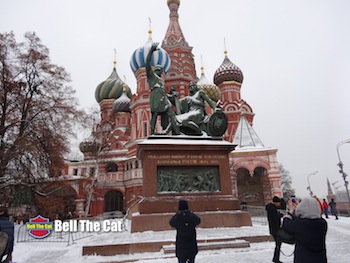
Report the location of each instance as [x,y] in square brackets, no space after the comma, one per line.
[173,1]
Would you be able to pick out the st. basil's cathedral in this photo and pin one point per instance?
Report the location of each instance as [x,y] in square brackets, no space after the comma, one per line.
[110,177]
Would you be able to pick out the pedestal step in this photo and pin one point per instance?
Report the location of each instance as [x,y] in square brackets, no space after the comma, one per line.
[170,249]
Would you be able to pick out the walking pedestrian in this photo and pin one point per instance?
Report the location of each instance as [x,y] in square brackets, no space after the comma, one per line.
[333,206]
[325,208]
[274,218]
[185,222]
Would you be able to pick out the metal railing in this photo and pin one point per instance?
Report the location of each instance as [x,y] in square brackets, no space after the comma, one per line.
[68,237]
[257,213]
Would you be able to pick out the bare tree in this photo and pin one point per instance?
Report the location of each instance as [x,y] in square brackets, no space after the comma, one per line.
[286,182]
[37,114]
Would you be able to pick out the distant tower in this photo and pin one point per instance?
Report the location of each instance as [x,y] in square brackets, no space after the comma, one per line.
[330,194]
[182,70]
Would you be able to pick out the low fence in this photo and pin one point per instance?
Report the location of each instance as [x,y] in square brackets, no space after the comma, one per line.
[62,237]
[257,213]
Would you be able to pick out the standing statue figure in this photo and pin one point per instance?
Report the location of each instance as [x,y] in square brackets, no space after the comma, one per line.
[159,102]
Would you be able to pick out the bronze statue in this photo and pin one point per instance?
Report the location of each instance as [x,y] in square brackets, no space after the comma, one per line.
[159,102]
[191,118]
[194,120]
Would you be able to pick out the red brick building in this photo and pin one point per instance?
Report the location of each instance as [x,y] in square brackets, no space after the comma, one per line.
[110,176]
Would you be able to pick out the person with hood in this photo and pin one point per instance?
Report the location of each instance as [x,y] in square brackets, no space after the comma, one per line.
[8,227]
[274,219]
[305,222]
[185,222]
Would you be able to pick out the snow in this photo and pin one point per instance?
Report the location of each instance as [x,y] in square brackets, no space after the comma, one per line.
[337,242]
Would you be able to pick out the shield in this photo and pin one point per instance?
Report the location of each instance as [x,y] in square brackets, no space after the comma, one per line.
[39,233]
[217,124]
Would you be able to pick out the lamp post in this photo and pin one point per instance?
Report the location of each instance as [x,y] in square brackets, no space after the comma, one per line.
[308,182]
[340,164]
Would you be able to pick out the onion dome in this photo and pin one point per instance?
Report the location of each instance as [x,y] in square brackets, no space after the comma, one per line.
[173,1]
[209,88]
[112,87]
[159,57]
[122,104]
[89,145]
[227,72]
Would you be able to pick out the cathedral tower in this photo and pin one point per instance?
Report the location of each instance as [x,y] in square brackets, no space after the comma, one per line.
[182,70]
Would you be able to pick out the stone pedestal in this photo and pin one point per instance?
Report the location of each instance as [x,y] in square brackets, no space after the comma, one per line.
[195,169]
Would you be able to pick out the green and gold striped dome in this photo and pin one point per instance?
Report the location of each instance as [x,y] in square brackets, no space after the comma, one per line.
[111,88]
[210,89]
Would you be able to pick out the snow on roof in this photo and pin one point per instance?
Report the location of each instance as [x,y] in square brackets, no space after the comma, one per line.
[246,138]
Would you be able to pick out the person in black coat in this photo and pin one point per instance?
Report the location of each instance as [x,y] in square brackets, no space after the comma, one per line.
[185,222]
[274,219]
[309,229]
[7,227]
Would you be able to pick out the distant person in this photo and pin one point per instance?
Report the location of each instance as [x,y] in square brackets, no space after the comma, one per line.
[8,227]
[185,222]
[274,218]
[333,206]
[305,222]
[244,206]
[325,208]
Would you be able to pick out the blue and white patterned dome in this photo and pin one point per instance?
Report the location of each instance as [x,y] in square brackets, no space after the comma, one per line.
[159,57]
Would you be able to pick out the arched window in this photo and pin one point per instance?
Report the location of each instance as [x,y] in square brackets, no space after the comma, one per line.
[113,201]
[111,167]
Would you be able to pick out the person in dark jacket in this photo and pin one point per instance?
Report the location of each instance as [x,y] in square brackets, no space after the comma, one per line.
[333,206]
[309,229]
[283,205]
[185,222]
[274,219]
[7,227]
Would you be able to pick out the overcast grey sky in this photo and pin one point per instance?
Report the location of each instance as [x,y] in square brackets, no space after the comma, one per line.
[295,57]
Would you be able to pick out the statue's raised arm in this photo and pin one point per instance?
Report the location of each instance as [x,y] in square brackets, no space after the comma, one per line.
[149,71]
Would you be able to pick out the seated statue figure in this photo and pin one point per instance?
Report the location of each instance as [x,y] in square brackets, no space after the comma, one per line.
[194,120]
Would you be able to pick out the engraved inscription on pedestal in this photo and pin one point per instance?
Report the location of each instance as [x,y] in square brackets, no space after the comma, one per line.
[181,179]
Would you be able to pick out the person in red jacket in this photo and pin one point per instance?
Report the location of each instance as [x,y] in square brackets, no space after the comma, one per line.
[325,208]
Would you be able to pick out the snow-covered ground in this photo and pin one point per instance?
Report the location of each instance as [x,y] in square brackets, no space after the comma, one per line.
[338,247]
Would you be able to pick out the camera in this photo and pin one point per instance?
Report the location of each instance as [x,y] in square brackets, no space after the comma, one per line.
[293,199]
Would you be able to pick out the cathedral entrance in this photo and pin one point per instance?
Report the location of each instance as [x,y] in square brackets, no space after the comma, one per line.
[251,187]
[113,201]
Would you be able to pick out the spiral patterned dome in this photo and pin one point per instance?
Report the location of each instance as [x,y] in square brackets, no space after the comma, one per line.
[159,57]
[227,72]
[173,1]
[89,145]
[122,104]
[111,88]
[210,89]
